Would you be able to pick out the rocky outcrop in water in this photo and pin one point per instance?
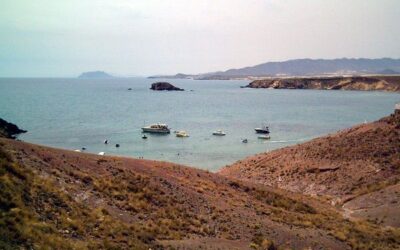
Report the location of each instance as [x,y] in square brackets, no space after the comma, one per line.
[164,86]
[9,130]
[389,83]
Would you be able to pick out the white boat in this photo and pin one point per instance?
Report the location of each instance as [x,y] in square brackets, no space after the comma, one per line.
[101,153]
[264,137]
[158,128]
[262,130]
[219,132]
[181,134]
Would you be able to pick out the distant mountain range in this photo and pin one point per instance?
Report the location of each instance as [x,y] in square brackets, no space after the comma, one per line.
[95,74]
[304,67]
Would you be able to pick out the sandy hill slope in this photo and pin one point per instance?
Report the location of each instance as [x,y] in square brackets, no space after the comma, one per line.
[69,200]
[353,166]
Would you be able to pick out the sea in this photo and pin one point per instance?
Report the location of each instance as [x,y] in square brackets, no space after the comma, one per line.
[73,113]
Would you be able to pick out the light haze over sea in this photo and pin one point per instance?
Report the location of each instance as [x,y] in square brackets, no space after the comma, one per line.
[75,113]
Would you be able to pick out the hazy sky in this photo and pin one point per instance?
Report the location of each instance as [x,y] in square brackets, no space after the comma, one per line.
[128,37]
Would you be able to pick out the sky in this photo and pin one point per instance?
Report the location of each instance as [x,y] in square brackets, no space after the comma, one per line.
[48,38]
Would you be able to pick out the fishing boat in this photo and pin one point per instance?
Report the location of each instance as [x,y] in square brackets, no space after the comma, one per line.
[262,130]
[219,132]
[181,134]
[158,128]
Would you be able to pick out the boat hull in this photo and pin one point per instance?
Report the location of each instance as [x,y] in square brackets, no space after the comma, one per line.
[261,131]
[155,131]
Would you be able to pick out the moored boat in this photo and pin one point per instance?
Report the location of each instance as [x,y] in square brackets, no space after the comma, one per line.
[158,128]
[219,132]
[181,134]
[264,137]
[262,130]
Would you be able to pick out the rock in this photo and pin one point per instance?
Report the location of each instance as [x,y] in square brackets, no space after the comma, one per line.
[9,130]
[164,86]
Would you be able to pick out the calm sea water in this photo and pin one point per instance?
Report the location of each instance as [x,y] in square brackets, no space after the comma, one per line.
[75,113]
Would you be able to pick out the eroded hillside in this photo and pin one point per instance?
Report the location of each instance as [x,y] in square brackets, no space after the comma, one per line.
[63,200]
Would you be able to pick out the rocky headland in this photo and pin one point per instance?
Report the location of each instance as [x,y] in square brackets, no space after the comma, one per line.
[381,83]
[9,130]
[164,86]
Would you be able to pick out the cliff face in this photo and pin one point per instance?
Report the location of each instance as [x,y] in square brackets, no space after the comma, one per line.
[331,83]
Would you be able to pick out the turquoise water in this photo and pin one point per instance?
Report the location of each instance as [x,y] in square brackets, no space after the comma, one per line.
[75,113]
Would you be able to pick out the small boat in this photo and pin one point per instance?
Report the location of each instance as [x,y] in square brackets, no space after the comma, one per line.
[101,153]
[264,137]
[83,148]
[262,130]
[77,150]
[219,132]
[144,137]
[245,141]
[117,145]
[181,134]
[105,141]
[158,128]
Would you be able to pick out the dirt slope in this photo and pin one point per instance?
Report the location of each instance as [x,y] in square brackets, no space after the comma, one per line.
[64,200]
[340,167]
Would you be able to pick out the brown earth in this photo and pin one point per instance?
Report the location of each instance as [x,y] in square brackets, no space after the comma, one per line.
[351,167]
[382,83]
[70,200]
[60,199]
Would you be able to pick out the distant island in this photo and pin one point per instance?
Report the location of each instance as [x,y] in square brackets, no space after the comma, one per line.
[383,83]
[301,67]
[95,74]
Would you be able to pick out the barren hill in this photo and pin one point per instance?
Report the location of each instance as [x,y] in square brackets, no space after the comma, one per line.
[355,165]
[63,200]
